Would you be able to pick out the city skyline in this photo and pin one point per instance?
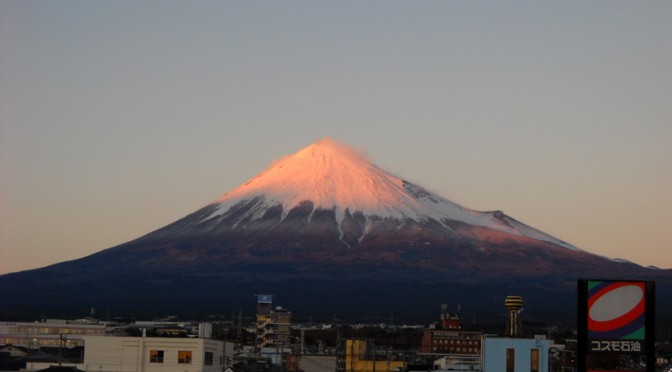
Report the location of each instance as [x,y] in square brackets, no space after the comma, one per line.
[119,118]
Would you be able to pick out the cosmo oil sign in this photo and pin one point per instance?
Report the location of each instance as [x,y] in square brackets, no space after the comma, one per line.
[615,317]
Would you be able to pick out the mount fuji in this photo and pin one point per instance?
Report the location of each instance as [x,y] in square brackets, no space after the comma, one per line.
[328,232]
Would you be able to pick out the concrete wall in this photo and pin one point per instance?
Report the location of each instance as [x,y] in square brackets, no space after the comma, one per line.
[132,354]
[317,363]
[495,350]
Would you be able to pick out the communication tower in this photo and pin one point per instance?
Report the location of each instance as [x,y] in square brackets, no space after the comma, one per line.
[514,327]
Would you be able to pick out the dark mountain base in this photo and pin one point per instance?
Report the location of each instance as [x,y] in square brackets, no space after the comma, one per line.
[199,295]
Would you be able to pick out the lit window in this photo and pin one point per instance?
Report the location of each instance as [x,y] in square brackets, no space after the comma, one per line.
[510,360]
[184,357]
[534,360]
[156,356]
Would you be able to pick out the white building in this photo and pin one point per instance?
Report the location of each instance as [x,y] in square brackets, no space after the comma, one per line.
[155,354]
[502,354]
[458,363]
[277,355]
[53,333]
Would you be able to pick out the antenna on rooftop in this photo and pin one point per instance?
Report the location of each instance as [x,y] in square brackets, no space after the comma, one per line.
[239,330]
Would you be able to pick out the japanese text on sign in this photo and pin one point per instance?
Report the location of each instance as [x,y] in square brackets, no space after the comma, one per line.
[616,346]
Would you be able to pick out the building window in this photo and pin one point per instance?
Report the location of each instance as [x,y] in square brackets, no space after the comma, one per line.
[208,358]
[184,357]
[156,356]
[510,360]
[534,360]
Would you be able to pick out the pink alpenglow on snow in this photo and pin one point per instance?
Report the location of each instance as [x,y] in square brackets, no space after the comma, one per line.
[335,176]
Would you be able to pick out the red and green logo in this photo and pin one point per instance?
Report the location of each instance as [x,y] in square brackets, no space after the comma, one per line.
[616,310]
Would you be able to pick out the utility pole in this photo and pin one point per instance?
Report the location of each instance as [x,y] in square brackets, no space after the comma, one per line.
[303,336]
[60,348]
[239,330]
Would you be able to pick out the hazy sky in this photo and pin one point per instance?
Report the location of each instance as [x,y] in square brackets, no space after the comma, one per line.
[119,117]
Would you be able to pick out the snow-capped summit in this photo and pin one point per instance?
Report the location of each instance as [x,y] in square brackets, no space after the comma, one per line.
[331,175]
[334,176]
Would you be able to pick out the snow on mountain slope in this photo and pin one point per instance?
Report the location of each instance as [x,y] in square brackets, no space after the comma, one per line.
[332,175]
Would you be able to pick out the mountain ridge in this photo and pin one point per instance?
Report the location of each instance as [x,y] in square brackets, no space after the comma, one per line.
[324,217]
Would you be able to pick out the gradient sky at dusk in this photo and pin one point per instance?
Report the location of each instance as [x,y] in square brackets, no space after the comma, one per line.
[119,117]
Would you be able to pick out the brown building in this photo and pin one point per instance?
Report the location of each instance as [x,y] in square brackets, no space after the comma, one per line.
[448,338]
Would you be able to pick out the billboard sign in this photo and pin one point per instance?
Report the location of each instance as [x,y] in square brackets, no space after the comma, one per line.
[616,317]
[264,299]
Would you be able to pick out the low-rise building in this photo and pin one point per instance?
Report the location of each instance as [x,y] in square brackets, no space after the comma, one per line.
[154,354]
[508,354]
[50,333]
[359,359]
[14,351]
[455,347]
[54,342]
